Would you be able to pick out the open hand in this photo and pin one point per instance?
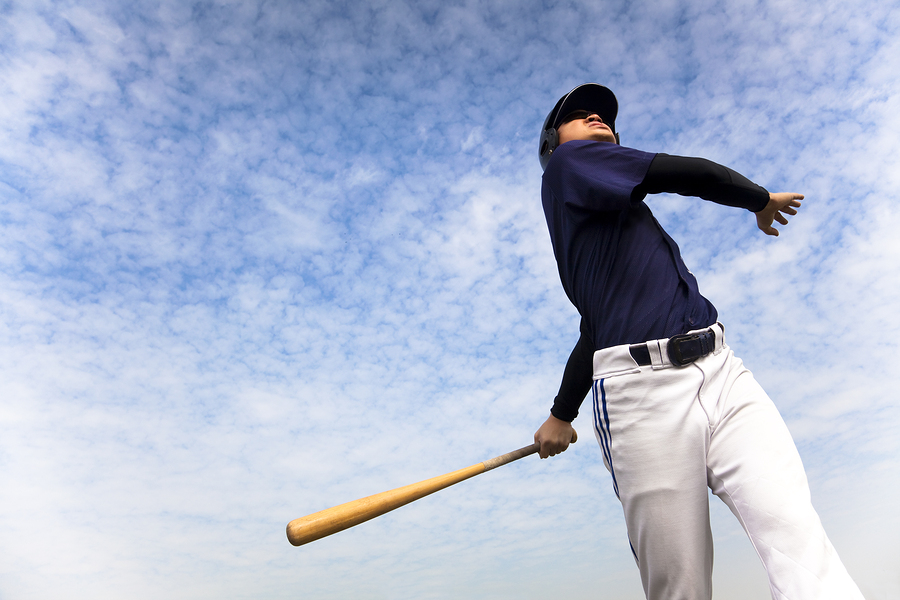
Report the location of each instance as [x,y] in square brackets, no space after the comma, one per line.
[780,204]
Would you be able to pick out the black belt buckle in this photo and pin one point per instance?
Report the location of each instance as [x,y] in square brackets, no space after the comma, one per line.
[686,348]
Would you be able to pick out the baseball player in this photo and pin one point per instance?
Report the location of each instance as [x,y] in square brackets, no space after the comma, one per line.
[675,411]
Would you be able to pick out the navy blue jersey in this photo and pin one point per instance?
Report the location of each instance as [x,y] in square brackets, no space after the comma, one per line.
[623,273]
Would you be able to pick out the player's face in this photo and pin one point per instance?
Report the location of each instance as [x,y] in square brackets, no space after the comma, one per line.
[584,125]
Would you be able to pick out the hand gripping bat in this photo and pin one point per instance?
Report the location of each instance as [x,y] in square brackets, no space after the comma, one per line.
[338,518]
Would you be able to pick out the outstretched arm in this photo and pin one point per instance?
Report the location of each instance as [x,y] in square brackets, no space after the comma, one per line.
[780,204]
[711,181]
[701,178]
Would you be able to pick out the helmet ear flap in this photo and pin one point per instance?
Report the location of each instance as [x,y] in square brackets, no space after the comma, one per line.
[549,142]
[617,139]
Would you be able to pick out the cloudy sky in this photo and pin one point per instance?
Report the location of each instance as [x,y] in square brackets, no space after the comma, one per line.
[261,258]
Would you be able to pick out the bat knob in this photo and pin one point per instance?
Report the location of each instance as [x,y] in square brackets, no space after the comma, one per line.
[574,436]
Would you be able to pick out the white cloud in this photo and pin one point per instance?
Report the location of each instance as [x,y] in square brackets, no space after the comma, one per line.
[260,259]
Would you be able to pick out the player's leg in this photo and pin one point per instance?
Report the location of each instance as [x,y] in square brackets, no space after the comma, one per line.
[654,436]
[755,468]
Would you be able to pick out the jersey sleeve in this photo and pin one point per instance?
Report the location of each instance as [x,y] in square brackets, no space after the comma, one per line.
[596,176]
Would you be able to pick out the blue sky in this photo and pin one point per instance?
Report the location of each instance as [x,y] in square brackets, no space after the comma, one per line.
[262,258]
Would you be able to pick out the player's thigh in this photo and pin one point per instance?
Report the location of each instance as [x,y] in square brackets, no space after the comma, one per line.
[655,436]
[753,463]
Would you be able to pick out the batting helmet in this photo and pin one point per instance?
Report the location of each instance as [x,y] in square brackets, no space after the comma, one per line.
[591,97]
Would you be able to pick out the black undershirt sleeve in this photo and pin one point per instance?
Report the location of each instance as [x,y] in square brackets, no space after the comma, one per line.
[678,175]
[577,378]
[701,178]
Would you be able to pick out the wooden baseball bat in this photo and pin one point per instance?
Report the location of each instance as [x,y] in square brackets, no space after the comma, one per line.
[338,518]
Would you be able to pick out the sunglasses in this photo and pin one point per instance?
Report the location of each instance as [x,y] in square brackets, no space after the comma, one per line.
[576,115]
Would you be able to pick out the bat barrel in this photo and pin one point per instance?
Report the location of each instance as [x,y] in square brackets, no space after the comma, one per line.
[338,518]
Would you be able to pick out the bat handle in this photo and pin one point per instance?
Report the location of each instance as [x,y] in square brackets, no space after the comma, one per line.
[517,454]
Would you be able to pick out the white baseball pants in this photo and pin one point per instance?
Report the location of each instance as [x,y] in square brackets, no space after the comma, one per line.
[667,433]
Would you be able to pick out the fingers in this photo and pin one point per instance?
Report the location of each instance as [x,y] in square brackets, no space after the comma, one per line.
[787,195]
[765,225]
[779,214]
[551,448]
[780,205]
[786,199]
[790,208]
